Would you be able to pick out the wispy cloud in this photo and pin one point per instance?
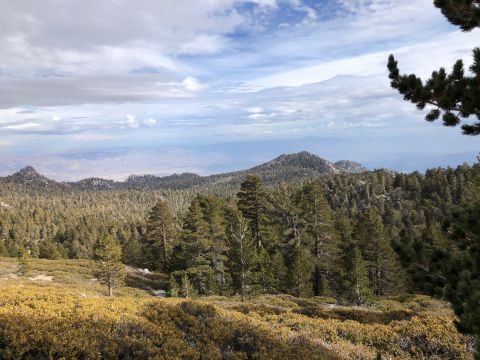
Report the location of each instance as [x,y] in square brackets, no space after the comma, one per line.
[134,74]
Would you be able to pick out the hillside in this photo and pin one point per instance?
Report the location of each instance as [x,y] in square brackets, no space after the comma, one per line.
[62,312]
[292,167]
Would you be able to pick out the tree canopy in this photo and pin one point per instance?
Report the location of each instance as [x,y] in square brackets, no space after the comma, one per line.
[453,96]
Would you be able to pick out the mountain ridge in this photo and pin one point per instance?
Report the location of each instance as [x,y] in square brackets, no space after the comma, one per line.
[294,166]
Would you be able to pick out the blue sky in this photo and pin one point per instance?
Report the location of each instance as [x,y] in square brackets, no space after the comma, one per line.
[115,87]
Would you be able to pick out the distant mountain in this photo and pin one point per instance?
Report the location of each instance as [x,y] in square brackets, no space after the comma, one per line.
[301,160]
[30,177]
[96,184]
[286,167]
[350,166]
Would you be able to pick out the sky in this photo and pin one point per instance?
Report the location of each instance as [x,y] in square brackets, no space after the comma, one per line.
[114,87]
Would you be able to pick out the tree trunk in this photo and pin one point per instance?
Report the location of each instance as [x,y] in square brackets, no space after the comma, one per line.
[242,260]
[164,247]
[318,280]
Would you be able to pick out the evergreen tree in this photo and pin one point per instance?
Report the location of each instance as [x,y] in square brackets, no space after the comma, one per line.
[280,272]
[300,272]
[287,218]
[159,237]
[454,96]
[424,257]
[357,284]
[173,287]
[253,202]
[108,255]
[354,275]
[214,216]
[381,261]
[187,290]
[463,269]
[49,250]
[241,254]
[189,252]
[132,253]
[320,233]
[24,266]
[202,249]
[265,272]
[463,13]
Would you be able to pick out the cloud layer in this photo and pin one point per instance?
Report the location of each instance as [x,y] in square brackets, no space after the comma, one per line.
[85,76]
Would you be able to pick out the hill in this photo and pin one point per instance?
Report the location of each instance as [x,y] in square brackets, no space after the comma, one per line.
[291,167]
[62,312]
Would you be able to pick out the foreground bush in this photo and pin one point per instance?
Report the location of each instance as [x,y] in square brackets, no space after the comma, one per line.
[47,323]
[53,321]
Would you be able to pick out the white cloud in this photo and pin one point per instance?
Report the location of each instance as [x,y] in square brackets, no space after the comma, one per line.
[204,44]
[131,121]
[255,109]
[263,117]
[420,58]
[24,126]
[150,122]
[192,84]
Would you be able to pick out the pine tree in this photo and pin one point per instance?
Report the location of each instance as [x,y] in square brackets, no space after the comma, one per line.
[202,248]
[454,96]
[286,215]
[357,284]
[463,268]
[319,232]
[463,13]
[132,253]
[189,251]
[381,261]
[214,216]
[265,272]
[300,272]
[159,238]
[425,258]
[108,255]
[241,254]
[187,290]
[173,287]
[254,204]
[24,266]
[49,250]
[280,272]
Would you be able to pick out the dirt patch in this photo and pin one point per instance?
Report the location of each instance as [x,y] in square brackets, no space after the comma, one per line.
[41,277]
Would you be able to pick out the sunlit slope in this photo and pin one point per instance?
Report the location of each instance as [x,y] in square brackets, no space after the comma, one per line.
[62,312]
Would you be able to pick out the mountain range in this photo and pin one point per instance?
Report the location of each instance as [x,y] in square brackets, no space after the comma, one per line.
[289,167]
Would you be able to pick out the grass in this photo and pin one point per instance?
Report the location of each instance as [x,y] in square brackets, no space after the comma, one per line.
[70,317]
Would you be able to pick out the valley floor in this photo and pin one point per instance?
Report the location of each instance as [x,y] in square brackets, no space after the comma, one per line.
[61,311]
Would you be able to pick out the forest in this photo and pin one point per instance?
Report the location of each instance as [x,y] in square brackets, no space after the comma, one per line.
[337,255]
[345,235]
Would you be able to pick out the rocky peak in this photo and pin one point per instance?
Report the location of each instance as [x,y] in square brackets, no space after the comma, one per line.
[28,175]
[350,166]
